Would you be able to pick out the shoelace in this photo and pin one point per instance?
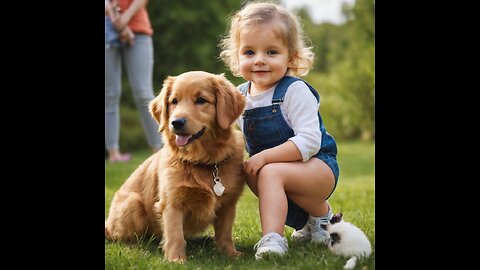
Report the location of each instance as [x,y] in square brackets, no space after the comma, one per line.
[266,239]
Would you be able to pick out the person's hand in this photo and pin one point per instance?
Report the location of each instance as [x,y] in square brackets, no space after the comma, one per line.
[127,36]
[120,22]
[254,164]
[112,10]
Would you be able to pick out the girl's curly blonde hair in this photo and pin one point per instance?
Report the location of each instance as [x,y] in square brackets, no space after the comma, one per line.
[256,13]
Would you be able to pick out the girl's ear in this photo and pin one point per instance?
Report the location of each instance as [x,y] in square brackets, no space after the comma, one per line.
[291,58]
[290,62]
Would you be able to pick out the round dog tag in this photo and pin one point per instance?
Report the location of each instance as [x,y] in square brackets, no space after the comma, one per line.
[218,188]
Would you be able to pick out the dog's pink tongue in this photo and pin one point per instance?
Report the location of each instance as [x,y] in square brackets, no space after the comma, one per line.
[182,139]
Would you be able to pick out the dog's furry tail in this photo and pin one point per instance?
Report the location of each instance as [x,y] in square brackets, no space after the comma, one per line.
[350,263]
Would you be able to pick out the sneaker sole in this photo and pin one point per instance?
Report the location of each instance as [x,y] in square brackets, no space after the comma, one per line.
[268,254]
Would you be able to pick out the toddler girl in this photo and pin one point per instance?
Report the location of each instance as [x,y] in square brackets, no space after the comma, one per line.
[292,167]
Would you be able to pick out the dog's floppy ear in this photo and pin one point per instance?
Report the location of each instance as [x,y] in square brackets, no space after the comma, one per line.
[230,102]
[159,106]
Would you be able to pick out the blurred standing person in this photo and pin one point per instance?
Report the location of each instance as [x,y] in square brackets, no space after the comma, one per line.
[133,47]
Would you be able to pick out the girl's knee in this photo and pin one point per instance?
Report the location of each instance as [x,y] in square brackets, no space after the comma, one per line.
[270,173]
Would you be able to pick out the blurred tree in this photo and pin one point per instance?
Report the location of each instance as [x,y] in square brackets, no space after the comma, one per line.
[186,35]
[358,69]
[345,69]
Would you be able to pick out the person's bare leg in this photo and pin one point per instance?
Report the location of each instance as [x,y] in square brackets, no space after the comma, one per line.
[273,203]
[307,183]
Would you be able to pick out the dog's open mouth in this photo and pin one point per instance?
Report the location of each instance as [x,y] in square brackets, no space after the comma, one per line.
[184,139]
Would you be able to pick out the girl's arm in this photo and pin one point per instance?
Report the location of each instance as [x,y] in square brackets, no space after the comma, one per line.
[301,108]
[284,152]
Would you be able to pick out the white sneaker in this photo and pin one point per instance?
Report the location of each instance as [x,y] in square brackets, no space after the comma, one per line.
[272,243]
[303,235]
[318,234]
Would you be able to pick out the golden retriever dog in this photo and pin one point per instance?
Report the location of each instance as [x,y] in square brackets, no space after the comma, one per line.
[196,179]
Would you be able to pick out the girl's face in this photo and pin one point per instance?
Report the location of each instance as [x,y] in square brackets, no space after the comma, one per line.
[263,56]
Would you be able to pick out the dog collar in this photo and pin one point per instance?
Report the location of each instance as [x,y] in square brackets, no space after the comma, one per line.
[218,187]
[207,165]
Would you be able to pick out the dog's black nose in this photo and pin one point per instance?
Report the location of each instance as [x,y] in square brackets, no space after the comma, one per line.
[178,123]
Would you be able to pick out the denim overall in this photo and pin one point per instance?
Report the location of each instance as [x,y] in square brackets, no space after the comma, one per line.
[265,127]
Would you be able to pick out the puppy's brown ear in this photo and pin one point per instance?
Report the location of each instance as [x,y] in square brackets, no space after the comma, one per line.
[230,102]
[159,106]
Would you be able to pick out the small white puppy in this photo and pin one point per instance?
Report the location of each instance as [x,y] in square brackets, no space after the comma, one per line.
[347,240]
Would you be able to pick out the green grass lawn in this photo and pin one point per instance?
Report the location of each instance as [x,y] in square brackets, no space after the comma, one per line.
[354,196]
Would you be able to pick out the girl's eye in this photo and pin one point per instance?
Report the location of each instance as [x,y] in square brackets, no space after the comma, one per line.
[201,100]
[271,52]
[248,52]
[174,101]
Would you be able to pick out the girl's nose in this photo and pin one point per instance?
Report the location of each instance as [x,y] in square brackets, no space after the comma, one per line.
[259,59]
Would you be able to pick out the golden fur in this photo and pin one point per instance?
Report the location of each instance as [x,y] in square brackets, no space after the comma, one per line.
[170,195]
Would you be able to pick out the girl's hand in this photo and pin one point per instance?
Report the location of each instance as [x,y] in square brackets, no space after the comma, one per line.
[254,164]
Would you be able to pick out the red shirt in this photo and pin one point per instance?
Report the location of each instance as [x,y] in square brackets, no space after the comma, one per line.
[140,22]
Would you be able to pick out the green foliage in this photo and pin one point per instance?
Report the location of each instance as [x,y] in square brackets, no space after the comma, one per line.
[354,197]
[344,72]
[186,35]
[131,131]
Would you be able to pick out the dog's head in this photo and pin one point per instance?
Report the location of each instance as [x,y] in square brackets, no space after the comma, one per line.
[195,107]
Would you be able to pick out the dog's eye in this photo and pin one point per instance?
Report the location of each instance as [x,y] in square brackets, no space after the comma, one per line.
[174,101]
[201,100]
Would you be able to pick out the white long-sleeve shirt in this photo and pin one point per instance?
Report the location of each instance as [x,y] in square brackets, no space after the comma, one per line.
[299,109]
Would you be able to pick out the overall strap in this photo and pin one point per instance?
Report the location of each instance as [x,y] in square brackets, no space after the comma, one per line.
[283,85]
[244,88]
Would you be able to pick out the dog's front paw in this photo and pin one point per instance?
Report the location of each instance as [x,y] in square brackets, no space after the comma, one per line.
[176,257]
[235,253]
[174,251]
[177,260]
[231,251]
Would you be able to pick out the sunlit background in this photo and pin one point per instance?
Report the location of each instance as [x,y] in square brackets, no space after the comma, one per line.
[321,11]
